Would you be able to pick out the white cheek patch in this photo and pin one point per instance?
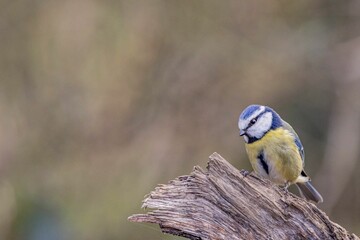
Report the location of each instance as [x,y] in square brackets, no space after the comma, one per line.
[262,125]
[243,123]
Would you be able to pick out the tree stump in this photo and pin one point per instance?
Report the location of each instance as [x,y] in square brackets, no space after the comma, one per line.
[225,203]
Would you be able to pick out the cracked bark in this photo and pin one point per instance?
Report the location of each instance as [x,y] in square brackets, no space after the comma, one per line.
[222,203]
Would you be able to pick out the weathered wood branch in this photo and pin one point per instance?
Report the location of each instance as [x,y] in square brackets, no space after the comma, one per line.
[222,203]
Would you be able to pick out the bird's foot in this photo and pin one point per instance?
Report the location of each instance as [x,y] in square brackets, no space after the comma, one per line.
[244,172]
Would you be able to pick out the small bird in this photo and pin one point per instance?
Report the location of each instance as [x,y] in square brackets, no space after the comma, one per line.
[275,150]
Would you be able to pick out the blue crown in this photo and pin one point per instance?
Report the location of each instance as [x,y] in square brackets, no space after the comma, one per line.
[249,111]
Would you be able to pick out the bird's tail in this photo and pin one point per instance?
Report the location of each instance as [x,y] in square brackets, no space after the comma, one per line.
[309,192]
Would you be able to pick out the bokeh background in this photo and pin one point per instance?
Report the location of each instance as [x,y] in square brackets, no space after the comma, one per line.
[102,100]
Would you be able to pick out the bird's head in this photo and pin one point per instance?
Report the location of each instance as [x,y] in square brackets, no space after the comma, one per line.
[256,120]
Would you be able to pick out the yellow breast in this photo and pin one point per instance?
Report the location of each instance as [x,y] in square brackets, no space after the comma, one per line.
[280,154]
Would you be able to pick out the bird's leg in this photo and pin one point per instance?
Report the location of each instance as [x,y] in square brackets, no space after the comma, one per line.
[285,198]
[285,187]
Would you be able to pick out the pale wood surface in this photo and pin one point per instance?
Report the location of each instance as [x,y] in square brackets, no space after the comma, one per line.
[222,203]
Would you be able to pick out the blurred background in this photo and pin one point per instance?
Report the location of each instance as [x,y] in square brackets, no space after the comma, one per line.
[102,100]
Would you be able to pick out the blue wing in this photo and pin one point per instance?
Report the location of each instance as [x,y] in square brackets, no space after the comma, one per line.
[297,140]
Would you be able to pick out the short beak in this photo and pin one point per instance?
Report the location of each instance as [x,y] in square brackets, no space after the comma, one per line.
[242,132]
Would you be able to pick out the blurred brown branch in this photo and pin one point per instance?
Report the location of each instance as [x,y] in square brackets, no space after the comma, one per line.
[221,203]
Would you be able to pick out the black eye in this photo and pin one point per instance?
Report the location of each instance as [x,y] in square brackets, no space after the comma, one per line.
[253,121]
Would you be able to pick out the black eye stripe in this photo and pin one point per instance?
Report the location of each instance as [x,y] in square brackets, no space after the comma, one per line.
[256,118]
[252,123]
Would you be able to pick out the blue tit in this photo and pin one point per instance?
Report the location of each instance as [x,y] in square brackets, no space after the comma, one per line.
[275,150]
